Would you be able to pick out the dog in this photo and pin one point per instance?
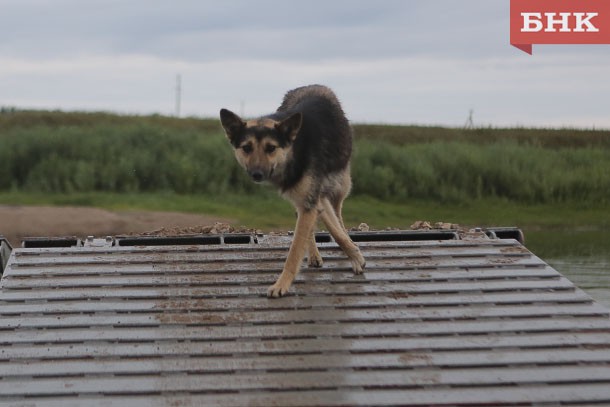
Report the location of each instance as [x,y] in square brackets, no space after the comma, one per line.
[303,149]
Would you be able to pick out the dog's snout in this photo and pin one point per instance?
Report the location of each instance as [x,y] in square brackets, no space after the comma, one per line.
[257,175]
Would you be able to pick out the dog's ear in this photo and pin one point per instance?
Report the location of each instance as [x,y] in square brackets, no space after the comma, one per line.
[232,124]
[290,126]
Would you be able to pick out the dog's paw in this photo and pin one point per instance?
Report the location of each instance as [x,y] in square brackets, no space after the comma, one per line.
[358,263]
[277,290]
[315,261]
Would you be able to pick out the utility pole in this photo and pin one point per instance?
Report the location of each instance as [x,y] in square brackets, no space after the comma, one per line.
[178,94]
[469,122]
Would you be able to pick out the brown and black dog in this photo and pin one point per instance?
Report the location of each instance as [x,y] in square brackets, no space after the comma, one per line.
[304,149]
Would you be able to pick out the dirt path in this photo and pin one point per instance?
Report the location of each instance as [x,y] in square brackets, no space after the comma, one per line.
[17,222]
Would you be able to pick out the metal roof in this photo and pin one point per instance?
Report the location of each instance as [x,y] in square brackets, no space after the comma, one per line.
[185,321]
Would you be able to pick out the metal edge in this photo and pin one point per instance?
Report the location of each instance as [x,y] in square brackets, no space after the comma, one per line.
[5,253]
[182,240]
[50,242]
[251,238]
[505,233]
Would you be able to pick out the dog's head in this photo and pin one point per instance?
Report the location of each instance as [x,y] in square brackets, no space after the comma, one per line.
[262,146]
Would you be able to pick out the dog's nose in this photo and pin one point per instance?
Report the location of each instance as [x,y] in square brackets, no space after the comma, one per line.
[256,175]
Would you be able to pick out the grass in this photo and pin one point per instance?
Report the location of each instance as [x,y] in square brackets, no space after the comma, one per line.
[550,230]
[254,210]
[55,152]
[539,137]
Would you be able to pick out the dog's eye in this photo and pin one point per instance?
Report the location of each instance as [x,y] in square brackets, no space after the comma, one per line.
[247,148]
[269,148]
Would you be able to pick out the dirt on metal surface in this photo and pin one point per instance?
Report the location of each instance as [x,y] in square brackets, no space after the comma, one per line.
[214,229]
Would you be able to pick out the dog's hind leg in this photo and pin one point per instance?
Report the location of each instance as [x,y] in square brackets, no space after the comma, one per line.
[337,205]
[313,254]
[337,230]
[302,236]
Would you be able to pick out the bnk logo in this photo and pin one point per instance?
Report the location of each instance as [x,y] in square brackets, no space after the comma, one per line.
[533,23]
[559,22]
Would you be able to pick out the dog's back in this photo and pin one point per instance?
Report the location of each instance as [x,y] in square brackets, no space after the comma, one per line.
[324,143]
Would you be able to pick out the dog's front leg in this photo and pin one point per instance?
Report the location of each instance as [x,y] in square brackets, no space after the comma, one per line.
[302,234]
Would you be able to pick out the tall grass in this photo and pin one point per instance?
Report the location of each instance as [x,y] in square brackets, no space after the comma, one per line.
[132,157]
[86,152]
[460,171]
[539,137]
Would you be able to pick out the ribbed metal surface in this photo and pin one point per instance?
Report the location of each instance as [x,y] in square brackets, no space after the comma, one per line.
[478,321]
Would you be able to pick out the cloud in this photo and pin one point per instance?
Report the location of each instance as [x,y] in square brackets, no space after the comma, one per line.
[206,30]
[417,61]
[423,90]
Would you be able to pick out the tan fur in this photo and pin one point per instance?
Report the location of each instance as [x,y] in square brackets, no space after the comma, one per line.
[314,259]
[299,194]
[259,158]
[304,238]
[302,233]
[263,122]
[336,229]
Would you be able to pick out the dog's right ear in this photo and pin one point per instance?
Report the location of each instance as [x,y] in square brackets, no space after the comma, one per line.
[232,124]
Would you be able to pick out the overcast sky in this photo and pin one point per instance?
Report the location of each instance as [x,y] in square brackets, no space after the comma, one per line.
[389,61]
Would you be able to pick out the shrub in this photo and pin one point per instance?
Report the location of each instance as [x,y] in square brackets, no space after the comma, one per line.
[58,152]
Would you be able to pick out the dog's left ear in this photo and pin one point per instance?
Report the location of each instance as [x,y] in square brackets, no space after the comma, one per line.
[290,126]
[232,124]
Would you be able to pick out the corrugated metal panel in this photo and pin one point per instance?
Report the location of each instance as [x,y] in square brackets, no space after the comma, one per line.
[135,322]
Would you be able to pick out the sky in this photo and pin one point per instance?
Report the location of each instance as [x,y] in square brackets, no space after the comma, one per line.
[426,62]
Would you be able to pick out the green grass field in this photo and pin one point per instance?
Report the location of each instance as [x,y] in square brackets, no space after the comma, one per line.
[554,184]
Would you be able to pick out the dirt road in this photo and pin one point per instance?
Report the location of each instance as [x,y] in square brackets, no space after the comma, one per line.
[17,222]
